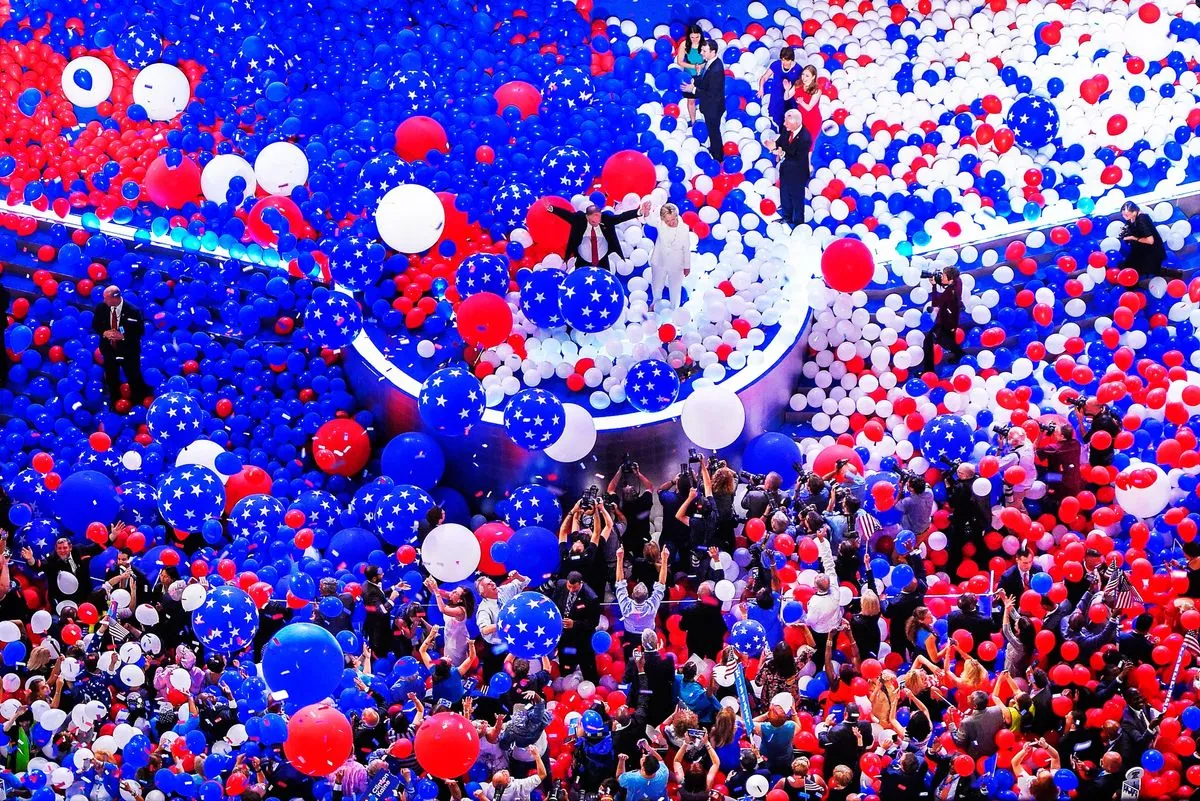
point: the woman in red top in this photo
(808, 101)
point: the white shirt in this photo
(118, 309)
(488, 612)
(585, 247)
(1023, 456)
(673, 248)
(825, 611)
(517, 789)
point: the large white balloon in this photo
(410, 218)
(193, 597)
(280, 168)
(202, 452)
(214, 181)
(450, 552)
(713, 417)
(1144, 502)
(87, 81)
(578, 436)
(163, 91)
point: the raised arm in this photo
(663, 564)
(681, 513)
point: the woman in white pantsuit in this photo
(671, 259)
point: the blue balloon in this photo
(946, 438)
(413, 458)
(482, 272)
(530, 625)
(1191, 717)
(651, 385)
(451, 401)
(902, 576)
(19, 337)
(509, 206)
(540, 297)
(351, 546)
(332, 319)
(534, 419)
(567, 90)
(189, 495)
(356, 262)
(535, 550)
(255, 514)
(175, 419)
(591, 299)
(601, 642)
(84, 498)
(773, 451)
(227, 620)
(1152, 760)
(1033, 120)
(303, 660)
(400, 513)
(1041, 583)
(499, 684)
(748, 637)
(566, 170)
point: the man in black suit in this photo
(593, 236)
(4, 301)
(1016, 579)
(120, 326)
(846, 742)
(656, 680)
(967, 617)
(792, 148)
(709, 87)
(580, 610)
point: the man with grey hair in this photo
(639, 607)
(792, 148)
(487, 617)
(824, 612)
(593, 236)
(120, 326)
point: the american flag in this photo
(1122, 589)
(866, 525)
(1191, 643)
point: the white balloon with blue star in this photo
(534, 418)
(332, 319)
(451, 401)
(189, 495)
(945, 439)
(227, 620)
(175, 418)
(539, 297)
(530, 625)
(400, 512)
(482, 272)
(651, 385)
(255, 515)
(567, 89)
(1033, 120)
(566, 170)
(356, 263)
(591, 299)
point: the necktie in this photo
(113, 317)
(595, 248)
(570, 602)
(1025, 580)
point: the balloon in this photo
(172, 187)
(540, 297)
(713, 417)
(163, 91)
(530, 625)
(220, 171)
(534, 418)
(303, 660)
(748, 637)
(1033, 121)
(772, 451)
(410, 218)
(341, 447)
(450, 552)
(280, 168)
(519, 95)
(87, 81)
(446, 745)
(84, 498)
(847, 265)
(227, 620)
(488, 535)
(175, 418)
(484, 320)
(190, 495)
(332, 319)
(535, 549)
(319, 740)
(946, 439)
(1146, 501)
(651, 385)
(351, 546)
(577, 438)
(202, 453)
(418, 136)
(413, 458)
(451, 401)
(591, 299)
(628, 172)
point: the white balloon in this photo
(578, 436)
(280, 168)
(129, 652)
(121, 598)
(713, 417)
(757, 784)
(52, 719)
(91, 72)
(132, 676)
(410, 218)
(235, 737)
(105, 744)
(214, 180)
(41, 621)
(1145, 502)
(450, 552)
(9, 631)
(180, 679)
(67, 583)
(725, 590)
(193, 597)
(146, 614)
(162, 90)
(204, 453)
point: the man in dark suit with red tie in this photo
(792, 149)
(120, 326)
(709, 87)
(593, 236)
(1015, 580)
(580, 609)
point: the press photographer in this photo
(915, 502)
(1097, 418)
(1060, 453)
(970, 514)
(946, 304)
(764, 494)
(635, 497)
(844, 478)
(1015, 450)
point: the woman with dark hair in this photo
(695, 780)
(807, 100)
(1147, 252)
(457, 607)
(920, 632)
(778, 673)
(688, 59)
(782, 75)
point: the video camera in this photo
(906, 476)
(628, 465)
(590, 496)
(1048, 428)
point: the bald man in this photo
(120, 326)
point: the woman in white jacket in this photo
(1020, 454)
(671, 259)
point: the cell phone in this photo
(695, 734)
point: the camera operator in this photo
(1060, 452)
(970, 515)
(916, 504)
(947, 306)
(699, 514)
(1147, 252)
(582, 536)
(810, 489)
(849, 482)
(1017, 451)
(671, 494)
(1095, 417)
(764, 496)
(635, 496)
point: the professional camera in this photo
(1078, 402)
(1048, 428)
(936, 275)
(1002, 430)
(628, 466)
(753, 479)
(906, 476)
(693, 456)
(590, 496)
(611, 500)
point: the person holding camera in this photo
(635, 498)
(1061, 453)
(764, 496)
(970, 514)
(1147, 251)
(848, 481)
(1017, 451)
(947, 304)
(1096, 417)
(916, 504)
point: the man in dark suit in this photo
(4, 301)
(580, 610)
(967, 617)
(593, 236)
(792, 148)
(120, 326)
(846, 742)
(1016, 579)
(656, 680)
(709, 87)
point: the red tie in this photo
(114, 318)
(595, 248)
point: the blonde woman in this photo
(671, 259)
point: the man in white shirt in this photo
(503, 787)
(487, 617)
(593, 237)
(825, 606)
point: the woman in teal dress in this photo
(781, 75)
(688, 59)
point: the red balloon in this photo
(547, 230)
(488, 535)
(319, 740)
(447, 745)
(416, 136)
(172, 187)
(100, 441)
(250, 481)
(628, 172)
(484, 320)
(520, 95)
(847, 265)
(828, 458)
(262, 233)
(71, 634)
(341, 447)
(755, 528)
(89, 614)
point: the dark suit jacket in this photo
(710, 89)
(131, 322)
(1011, 582)
(579, 226)
(795, 146)
(657, 684)
(5, 299)
(585, 612)
(705, 627)
(981, 627)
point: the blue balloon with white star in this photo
(1033, 120)
(356, 263)
(748, 638)
(255, 514)
(363, 505)
(414, 90)
(400, 512)
(380, 175)
(530, 625)
(567, 89)
(29, 486)
(482, 272)
(321, 509)
(39, 536)
(946, 438)
(566, 170)
(139, 46)
(591, 300)
(139, 504)
(189, 495)
(332, 319)
(539, 297)
(510, 204)
(175, 418)
(651, 385)
(530, 505)
(227, 620)
(451, 401)
(534, 418)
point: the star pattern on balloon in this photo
(40, 535)
(534, 418)
(255, 515)
(363, 505)
(413, 90)
(510, 204)
(482, 272)
(748, 637)
(651, 385)
(189, 495)
(140, 505)
(332, 319)
(355, 262)
(227, 620)
(946, 438)
(592, 299)
(400, 512)
(567, 89)
(566, 170)
(1034, 121)
(379, 175)
(540, 296)
(139, 47)
(531, 625)
(321, 510)
(175, 418)
(451, 401)
(530, 505)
